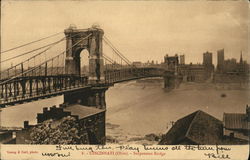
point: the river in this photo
(138, 108)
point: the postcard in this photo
(125, 79)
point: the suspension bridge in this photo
(38, 77)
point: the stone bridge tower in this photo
(78, 40)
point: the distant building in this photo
(237, 125)
(182, 59)
(193, 72)
(207, 59)
(190, 72)
(241, 59)
(230, 65)
(243, 67)
(220, 60)
(112, 66)
(137, 64)
(85, 70)
(208, 64)
(231, 71)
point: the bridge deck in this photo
(26, 89)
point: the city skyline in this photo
(214, 57)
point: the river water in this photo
(139, 108)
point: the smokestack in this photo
(26, 124)
(45, 109)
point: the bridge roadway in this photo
(32, 88)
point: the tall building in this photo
(220, 60)
(207, 59)
(182, 59)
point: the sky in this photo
(142, 30)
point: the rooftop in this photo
(82, 111)
(197, 128)
(235, 121)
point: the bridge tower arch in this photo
(78, 40)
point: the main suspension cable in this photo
(23, 45)
(108, 42)
(48, 45)
(36, 54)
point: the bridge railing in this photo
(124, 74)
(34, 87)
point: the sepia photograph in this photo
(148, 73)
